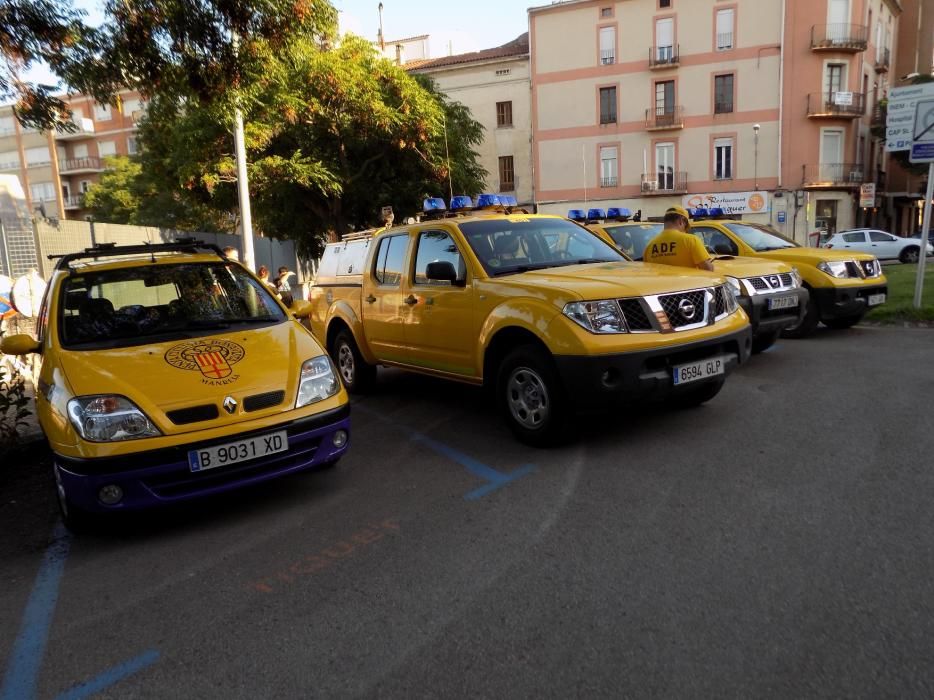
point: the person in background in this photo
(232, 253)
(263, 274)
(675, 245)
(282, 285)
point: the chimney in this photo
(400, 54)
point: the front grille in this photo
(677, 305)
(786, 279)
(720, 301)
(770, 282)
(636, 317)
(193, 414)
(257, 402)
(759, 284)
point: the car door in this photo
(884, 245)
(384, 308)
(442, 325)
(853, 240)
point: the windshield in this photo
(759, 239)
(137, 305)
(633, 238)
(508, 246)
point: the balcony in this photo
(607, 57)
(84, 129)
(664, 183)
(73, 202)
(664, 118)
(883, 57)
(834, 175)
(879, 115)
(664, 57)
(836, 105)
(75, 166)
(609, 182)
(849, 38)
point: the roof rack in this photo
(106, 250)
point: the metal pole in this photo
(925, 233)
(243, 189)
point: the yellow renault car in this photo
(170, 372)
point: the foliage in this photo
(13, 407)
(899, 307)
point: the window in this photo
(130, 106)
(723, 159)
(437, 246)
(608, 105)
(80, 151)
(665, 165)
(665, 40)
(723, 94)
(713, 239)
(85, 186)
(107, 148)
(725, 29)
(38, 156)
(664, 98)
(102, 113)
(857, 237)
(131, 145)
(664, 3)
(390, 259)
(880, 237)
(507, 174)
(606, 12)
(607, 45)
(7, 126)
(609, 166)
(9, 160)
(504, 113)
(42, 192)
(835, 80)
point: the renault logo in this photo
(230, 404)
(686, 308)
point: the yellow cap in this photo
(680, 211)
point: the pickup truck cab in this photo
(537, 308)
(770, 292)
(843, 285)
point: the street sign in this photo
(781, 217)
(867, 195)
(900, 114)
(922, 133)
(843, 99)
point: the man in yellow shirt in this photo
(676, 246)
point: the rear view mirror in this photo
(441, 272)
(21, 344)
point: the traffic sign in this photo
(900, 114)
(922, 133)
(781, 217)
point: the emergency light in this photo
(716, 213)
(432, 204)
(507, 200)
(461, 202)
(577, 215)
(618, 213)
(596, 214)
(488, 200)
(698, 213)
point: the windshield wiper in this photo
(227, 322)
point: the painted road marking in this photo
(111, 676)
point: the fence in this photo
(18, 252)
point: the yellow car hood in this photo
(616, 279)
(748, 267)
(181, 374)
(813, 256)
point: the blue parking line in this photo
(773, 347)
(22, 674)
(111, 676)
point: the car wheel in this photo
(843, 322)
(909, 254)
(695, 397)
(807, 324)
(75, 519)
(357, 374)
(531, 397)
(763, 341)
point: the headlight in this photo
(735, 286)
(317, 381)
(109, 419)
(834, 269)
(796, 277)
(597, 316)
(729, 296)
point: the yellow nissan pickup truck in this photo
(535, 307)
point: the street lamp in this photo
(755, 131)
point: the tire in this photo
(531, 397)
(357, 374)
(695, 397)
(909, 254)
(806, 325)
(763, 341)
(75, 519)
(843, 322)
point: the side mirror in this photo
(441, 272)
(301, 308)
(19, 345)
(722, 249)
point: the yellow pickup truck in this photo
(541, 310)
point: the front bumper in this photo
(840, 302)
(158, 477)
(601, 381)
(764, 320)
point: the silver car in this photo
(882, 244)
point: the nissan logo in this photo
(686, 308)
(230, 404)
(774, 281)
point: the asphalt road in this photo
(774, 543)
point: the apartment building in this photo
(495, 85)
(758, 106)
(56, 170)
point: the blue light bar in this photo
(577, 215)
(488, 200)
(716, 212)
(618, 213)
(596, 214)
(461, 202)
(434, 204)
(698, 212)
(507, 200)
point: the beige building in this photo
(494, 84)
(56, 170)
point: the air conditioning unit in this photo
(649, 185)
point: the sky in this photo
(453, 27)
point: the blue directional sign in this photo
(781, 217)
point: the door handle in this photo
(370, 299)
(411, 300)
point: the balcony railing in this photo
(883, 57)
(664, 56)
(607, 57)
(75, 201)
(835, 175)
(839, 37)
(846, 105)
(879, 115)
(664, 183)
(609, 181)
(724, 41)
(662, 118)
(78, 165)
(83, 127)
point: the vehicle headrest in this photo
(506, 244)
(75, 298)
(97, 307)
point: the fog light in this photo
(110, 495)
(340, 438)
